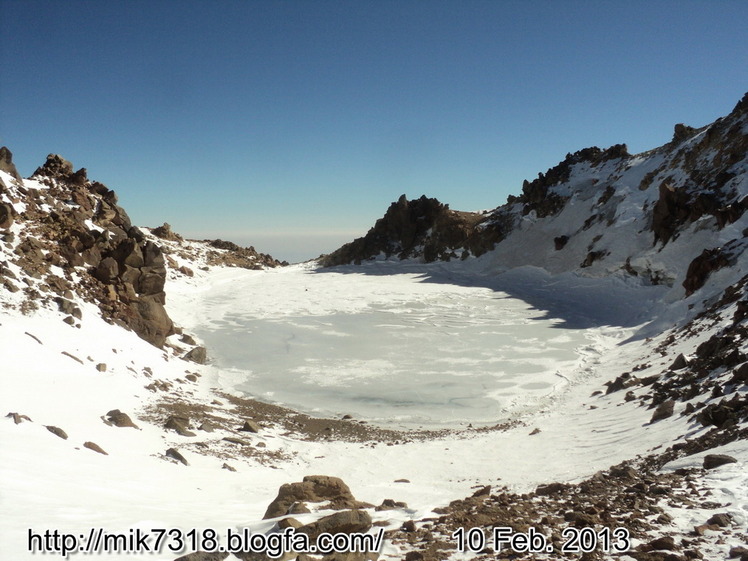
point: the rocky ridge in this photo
(690, 192)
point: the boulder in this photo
(107, 270)
(150, 321)
(314, 488)
(679, 363)
(712, 461)
(198, 355)
(55, 167)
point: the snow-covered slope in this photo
(122, 418)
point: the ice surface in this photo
(432, 354)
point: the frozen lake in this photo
(398, 348)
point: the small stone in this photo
(663, 411)
(101, 367)
(95, 447)
(120, 419)
(174, 453)
(228, 467)
(250, 426)
(57, 431)
(198, 355)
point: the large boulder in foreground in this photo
(315, 489)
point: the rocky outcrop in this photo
(6, 163)
(6, 216)
(707, 157)
(700, 268)
(80, 225)
(537, 196)
(314, 489)
(422, 228)
(166, 233)
(233, 255)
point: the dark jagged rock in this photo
(6, 163)
(536, 195)
(119, 419)
(682, 132)
(700, 268)
(560, 242)
(55, 167)
(166, 233)
(423, 228)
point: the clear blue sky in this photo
(292, 125)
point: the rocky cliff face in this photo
(73, 239)
(671, 216)
(420, 228)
